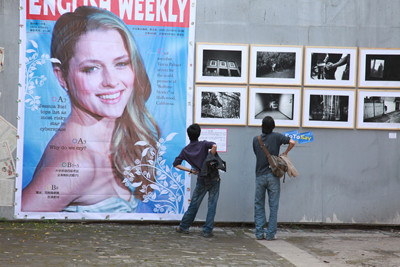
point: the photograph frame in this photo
(254, 76)
(222, 63)
(259, 93)
(318, 73)
(218, 94)
(365, 74)
(334, 109)
(380, 121)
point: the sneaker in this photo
(208, 235)
(181, 231)
(273, 238)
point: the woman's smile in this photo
(111, 98)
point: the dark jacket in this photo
(211, 166)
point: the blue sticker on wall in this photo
(301, 138)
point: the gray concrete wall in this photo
(9, 37)
(346, 176)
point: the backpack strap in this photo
(271, 162)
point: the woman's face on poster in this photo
(100, 73)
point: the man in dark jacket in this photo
(266, 181)
(195, 154)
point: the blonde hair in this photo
(136, 123)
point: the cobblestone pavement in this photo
(116, 244)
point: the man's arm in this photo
(214, 149)
(183, 168)
(341, 62)
(291, 145)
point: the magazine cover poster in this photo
(103, 109)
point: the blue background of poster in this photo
(157, 45)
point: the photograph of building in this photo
(222, 63)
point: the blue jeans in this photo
(271, 184)
(197, 197)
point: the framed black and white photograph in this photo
(220, 105)
(378, 109)
(379, 68)
(276, 65)
(329, 108)
(221, 63)
(282, 104)
(330, 66)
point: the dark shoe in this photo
(260, 237)
(208, 235)
(179, 230)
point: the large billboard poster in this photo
(105, 92)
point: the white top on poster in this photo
(218, 136)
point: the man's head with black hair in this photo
(268, 124)
(194, 131)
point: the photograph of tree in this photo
(223, 105)
(275, 65)
(329, 107)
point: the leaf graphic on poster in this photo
(163, 192)
(162, 177)
(136, 184)
(55, 60)
(174, 186)
(144, 152)
(170, 136)
(155, 187)
(141, 143)
(167, 180)
(30, 51)
(34, 44)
